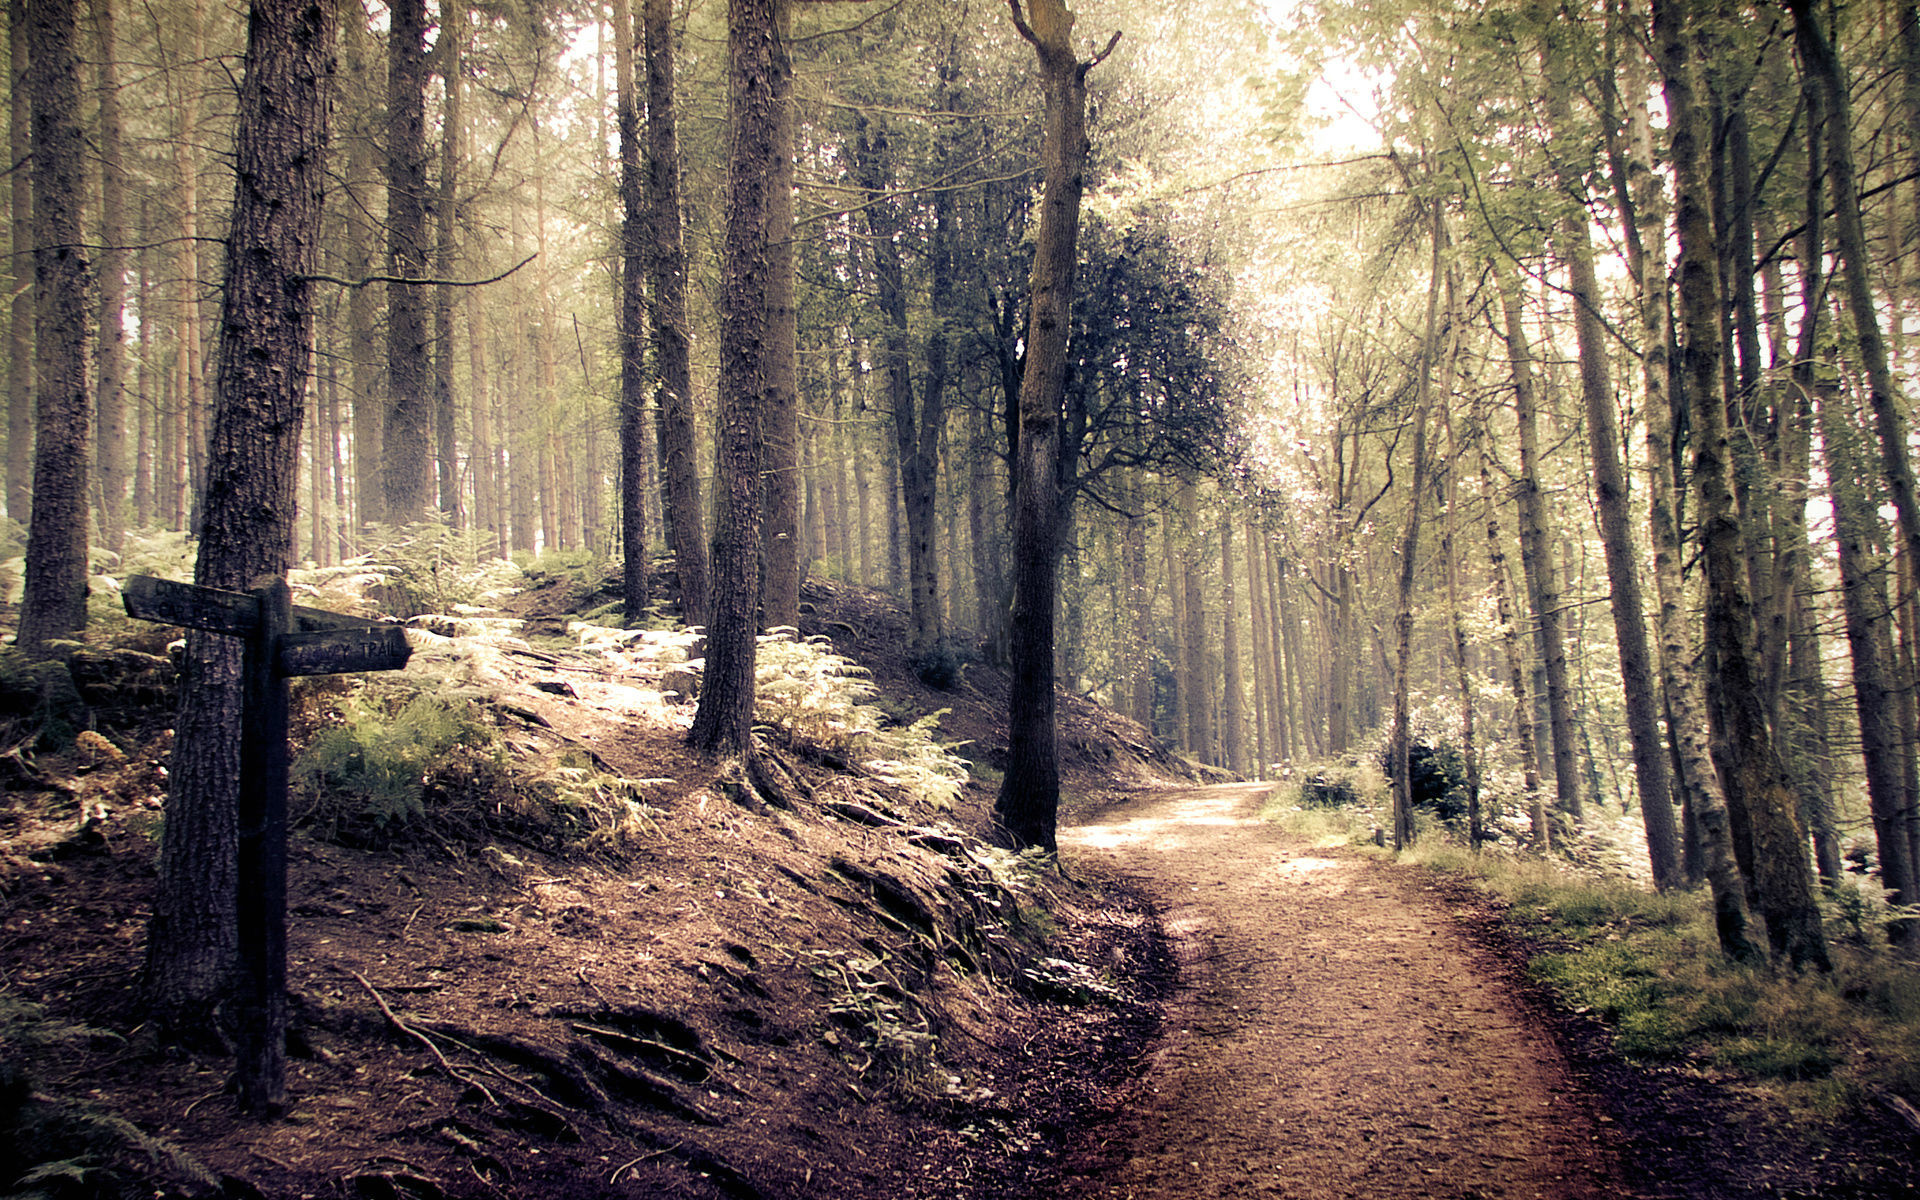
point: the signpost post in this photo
(281, 641)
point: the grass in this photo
(1648, 964)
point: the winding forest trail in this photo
(1334, 1035)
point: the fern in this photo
(807, 692)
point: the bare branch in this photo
(373, 279)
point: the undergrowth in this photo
(404, 765)
(1648, 964)
(807, 692)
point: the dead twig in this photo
(634, 1162)
(422, 1038)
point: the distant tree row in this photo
(1563, 425)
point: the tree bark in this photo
(406, 443)
(446, 455)
(1400, 747)
(1752, 768)
(780, 422)
(53, 602)
(667, 319)
(1536, 558)
(633, 317)
(110, 404)
(20, 312)
(1685, 703)
(1641, 700)
(723, 723)
(1822, 65)
(1233, 715)
(265, 348)
(1028, 805)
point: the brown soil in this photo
(1333, 1034)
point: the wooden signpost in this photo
(281, 641)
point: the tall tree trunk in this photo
(1139, 664)
(185, 472)
(1536, 558)
(364, 211)
(1822, 66)
(723, 723)
(1028, 805)
(916, 420)
(780, 422)
(633, 316)
(446, 458)
(1400, 746)
(406, 464)
(1753, 770)
(1260, 630)
(667, 319)
(1233, 716)
(1641, 699)
(265, 349)
(110, 404)
(1196, 685)
(53, 601)
(981, 488)
(1512, 644)
(20, 312)
(144, 424)
(1181, 734)
(1685, 703)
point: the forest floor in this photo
(854, 999)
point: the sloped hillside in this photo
(580, 961)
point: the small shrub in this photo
(1325, 791)
(366, 780)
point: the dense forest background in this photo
(1508, 392)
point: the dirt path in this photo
(1333, 1035)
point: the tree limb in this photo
(373, 279)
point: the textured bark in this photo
(1399, 747)
(633, 318)
(1863, 570)
(446, 255)
(1259, 626)
(364, 208)
(144, 424)
(112, 468)
(780, 422)
(1028, 805)
(1233, 713)
(1822, 67)
(1197, 681)
(667, 322)
(266, 340)
(1641, 699)
(917, 418)
(406, 469)
(20, 313)
(723, 723)
(1516, 659)
(1685, 704)
(185, 467)
(1536, 558)
(53, 602)
(1750, 765)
